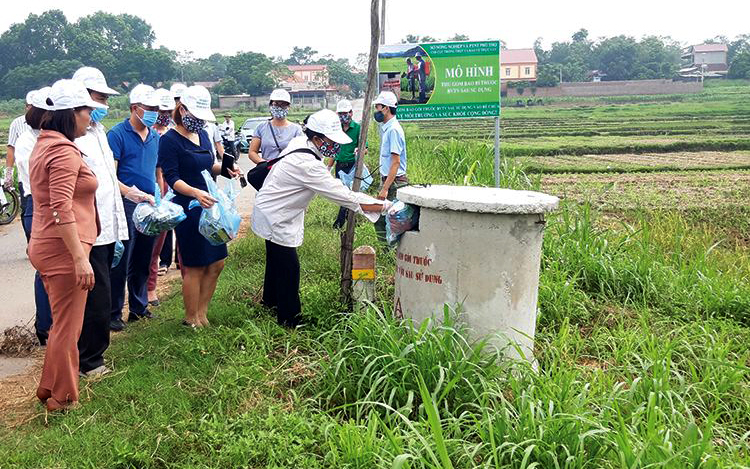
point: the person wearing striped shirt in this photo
(17, 127)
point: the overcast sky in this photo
(341, 27)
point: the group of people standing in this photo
(81, 185)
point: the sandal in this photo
(162, 270)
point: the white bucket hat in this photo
(197, 100)
(70, 94)
(177, 89)
(39, 100)
(281, 95)
(344, 106)
(30, 96)
(143, 94)
(166, 99)
(386, 98)
(93, 79)
(328, 123)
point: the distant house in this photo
(306, 77)
(518, 65)
(596, 75)
(705, 60)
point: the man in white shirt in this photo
(98, 156)
(214, 134)
(17, 127)
(227, 133)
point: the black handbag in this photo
(258, 174)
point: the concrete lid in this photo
(478, 199)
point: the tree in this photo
(300, 56)
(414, 39)
(226, 86)
(458, 38)
(617, 57)
(252, 72)
(547, 75)
(29, 77)
(39, 38)
(581, 36)
(740, 67)
(340, 73)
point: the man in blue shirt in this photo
(135, 146)
(392, 152)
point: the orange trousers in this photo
(59, 382)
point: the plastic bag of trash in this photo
(348, 178)
(399, 219)
(220, 223)
(119, 250)
(152, 220)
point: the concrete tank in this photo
(479, 248)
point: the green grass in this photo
(642, 343)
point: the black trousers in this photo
(281, 283)
(94, 338)
(165, 257)
(341, 218)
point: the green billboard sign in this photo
(451, 80)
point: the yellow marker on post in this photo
(363, 274)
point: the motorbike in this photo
(10, 205)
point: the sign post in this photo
(452, 80)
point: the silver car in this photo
(246, 132)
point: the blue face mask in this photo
(98, 114)
(149, 118)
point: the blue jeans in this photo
(43, 321)
(132, 270)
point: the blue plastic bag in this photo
(152, 220)
(220, 223)
(119, 250)
(399, 219)
(348, 178)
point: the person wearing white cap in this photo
(392, 152)
(65, 227)
(184, 152)
(270, 138)
(24, 147)
(167, 104)
(98, 156)
(164, 122)
(17, 127)
(280, 205)
(347, 157)
(177, 89)
(135, 147)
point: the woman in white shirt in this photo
(279, 213)
(23, 148)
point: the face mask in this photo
(345, 118)
(149, 118)
(193, 124)
(98, 114)
(379, 116)
(329, 150)
(279, 112)
(164, 119)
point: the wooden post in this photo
(347, 236)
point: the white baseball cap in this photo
(197, 100)
(328, 123)
(143, 94)
(30, 96)
(386, 98)
(93, 79)
(70, 94)
(281, 95)
(166, 99)
(39, 100)
(177, 89)
(344, 106)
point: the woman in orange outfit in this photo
(64, 227)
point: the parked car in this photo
(245, 133)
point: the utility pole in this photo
(347, 236)
(382, 21)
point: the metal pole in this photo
(497, 151)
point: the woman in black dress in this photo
(184, 152)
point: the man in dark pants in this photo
(392, 153)
(422, 72)
(135, 147)
(94, 146)
(347, 156)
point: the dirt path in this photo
(19, 376)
